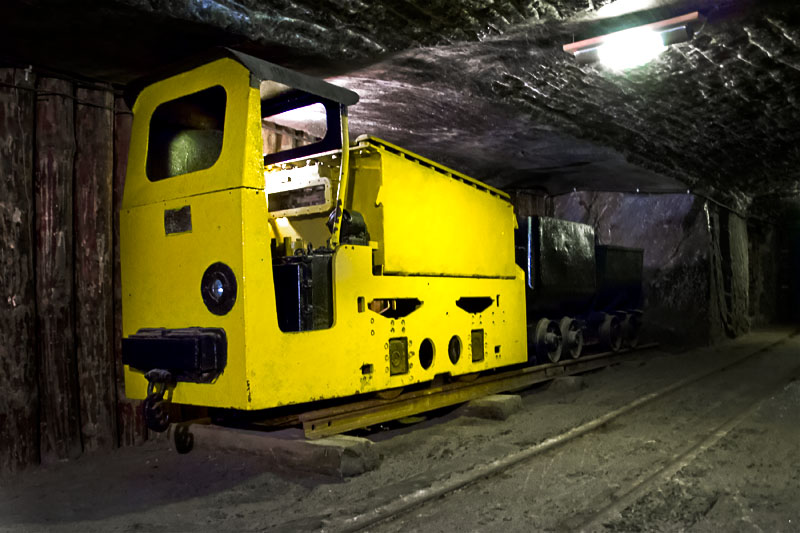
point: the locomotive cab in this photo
(267, 261)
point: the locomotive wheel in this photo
(547, 340)
(184, 439)
(631, 328)
(611, 332)
(571, 337)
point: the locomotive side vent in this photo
(474, 304)
(394, 307)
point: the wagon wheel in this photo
(547, 340)
(611, 332)
(571, 336)
(631, 328)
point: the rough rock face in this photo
(765, 265)
(705, 277)
(673, 231)
(342, 29)
(697, 114)
(485, 86)
(729, 274)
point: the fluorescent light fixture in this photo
(635, 46)
(630, 48)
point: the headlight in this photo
(218, 288)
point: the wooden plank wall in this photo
(94, 307)
(531, 203)
(63, 151)
(19, 407)
(130, 424)
(58, 384)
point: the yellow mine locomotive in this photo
(268, 261)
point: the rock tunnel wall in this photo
(767, 259)
(673, 231)
(708, 273)
(729, 274)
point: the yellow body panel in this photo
(454, 236)
(427, 222)
(161, 283)
(239, 164)
(267, 367)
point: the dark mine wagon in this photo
(597, 289)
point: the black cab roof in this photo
(260, 70)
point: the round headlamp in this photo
(218, 288)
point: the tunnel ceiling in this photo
(484, 86)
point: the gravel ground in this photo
(746, 481)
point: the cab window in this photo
(297, 127)
(296, 124)
(186, 134)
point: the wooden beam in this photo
(94, 311)
(19, 418)
(131, 427)
(58, 385)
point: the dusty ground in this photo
(747, 480)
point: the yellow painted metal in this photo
(267, 367)
(341, 191)
(355, 415)
(161, 284)
(426, 221)
(239, 164)
(458, 232)
(364, 140)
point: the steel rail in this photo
(439, 488)
(360, 414)
(639, 488)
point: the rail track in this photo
(359, 414)
(741, 398)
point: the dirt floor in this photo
(722, 454)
